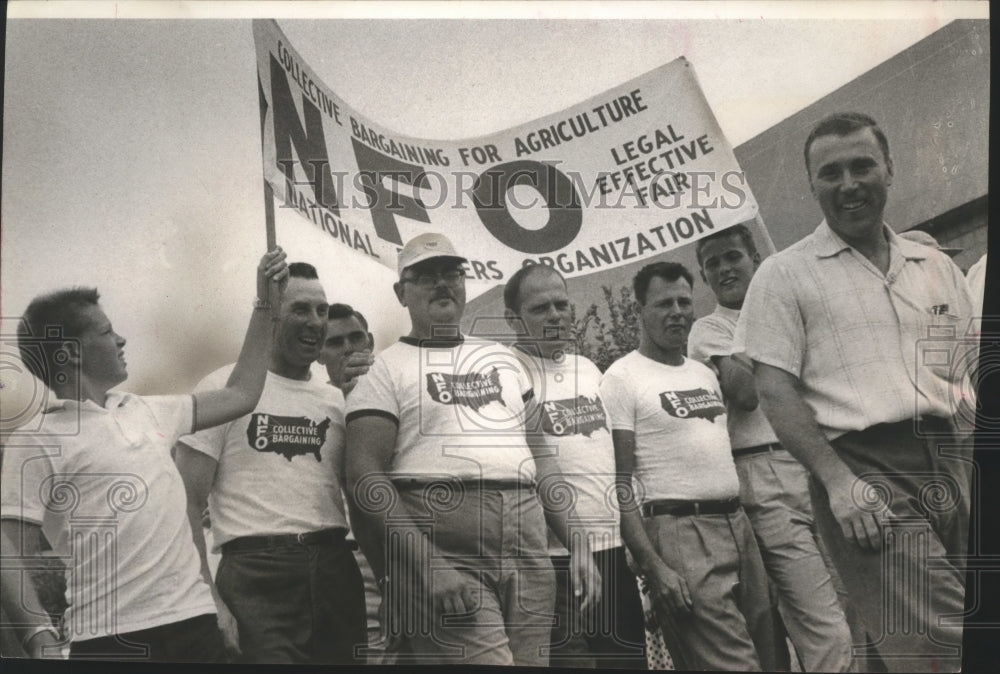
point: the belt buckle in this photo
(300, 538)
(697, 507)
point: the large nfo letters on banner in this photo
(628, 174)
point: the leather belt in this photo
(758, 449)
(332, 536)
(411, 483)
(679, 508)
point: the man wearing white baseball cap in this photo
(447, 490)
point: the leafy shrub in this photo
(605, 341)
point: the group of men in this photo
(790, 464)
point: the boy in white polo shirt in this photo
(98, 480)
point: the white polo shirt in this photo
(102, 484)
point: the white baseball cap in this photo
(425, 247)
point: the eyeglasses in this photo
(429, 280)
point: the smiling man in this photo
(272, 479)
(684, 526)
(834, 325)
(773, 485)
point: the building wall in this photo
(932, 101)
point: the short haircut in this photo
(843, 124)
(668, 271)
(302, 270)
(61, 309)
(740, 230)
(512, 291)
(339, 310)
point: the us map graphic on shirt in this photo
(473, 390)
(573, 416)
(288, 436)
(695, 403)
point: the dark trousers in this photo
(296, 603)
(909, 595)
(608, 636)
(193, 640)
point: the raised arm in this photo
(795, 425)
(246, 382)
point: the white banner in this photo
(631, 173)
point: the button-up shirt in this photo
(868, 347)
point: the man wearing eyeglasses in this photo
(450, 499)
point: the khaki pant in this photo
(496, 539)
(774, 491)
(731, 620)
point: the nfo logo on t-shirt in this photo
(288, 436)
(473, 390)
(695, 403)
(574, 416)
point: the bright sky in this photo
(131, 148)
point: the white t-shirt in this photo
(458, 406)
(102, 484)
(676, 412)
(710, 336)
(280, 466)
(575, 425)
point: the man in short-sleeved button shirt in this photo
(853, 334)
(773, 484)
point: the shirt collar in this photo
(726, 312)
(115, 399)
(829, 244)
(434, 342)
(911, 250)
